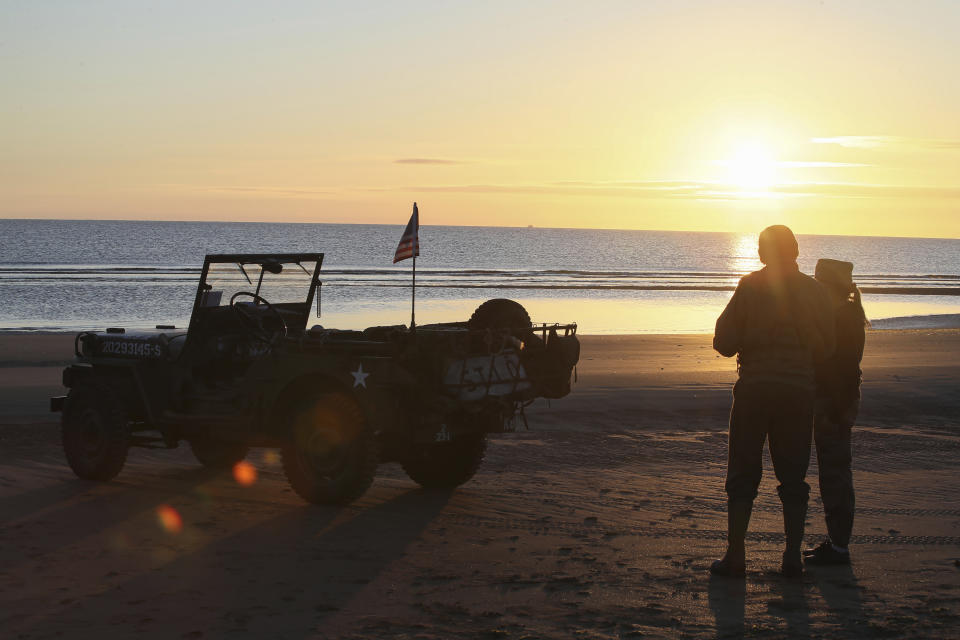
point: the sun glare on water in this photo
(751, 167)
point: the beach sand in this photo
(600, 522)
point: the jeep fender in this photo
(375, 383)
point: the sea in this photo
(72, 275)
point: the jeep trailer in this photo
(247, 372)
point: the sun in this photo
(751, 167)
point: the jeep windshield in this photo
(285, 282)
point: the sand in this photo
(598, 523)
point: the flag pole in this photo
(413, 297)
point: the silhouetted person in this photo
(838, 400)
(778, 323)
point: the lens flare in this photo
(244, 473)
(169, 519)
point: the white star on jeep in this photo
(359, 377)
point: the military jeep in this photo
(247, 372)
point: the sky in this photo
(834, 117)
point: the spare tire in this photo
(501, 313)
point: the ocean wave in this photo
(932, 321)
(443, 278)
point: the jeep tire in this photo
(445, 464)
(94, 431)
(330, 456)
(217, 454)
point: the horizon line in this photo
(475, 226)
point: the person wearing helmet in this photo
(779, 324)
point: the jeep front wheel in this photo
(445, 464)
(95, 432)
(330, 456)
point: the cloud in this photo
(273, 191)
(856, 190)
(856, 142)
(633, 189)
(903, 142)
(655, 185)
(639, 189)
(804, 164)
(694, 190)
(427, 161)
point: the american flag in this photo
(410, 240)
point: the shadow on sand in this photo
(79, 508)
(292, 571)
(789, 601)
(727, 600)
(842, 594)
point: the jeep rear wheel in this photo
(215, 454)
(94, 431)
(445, 464)
(330, 456)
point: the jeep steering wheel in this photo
(252, 321)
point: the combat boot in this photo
(794, 515)
(734, 563)
(827, 553)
